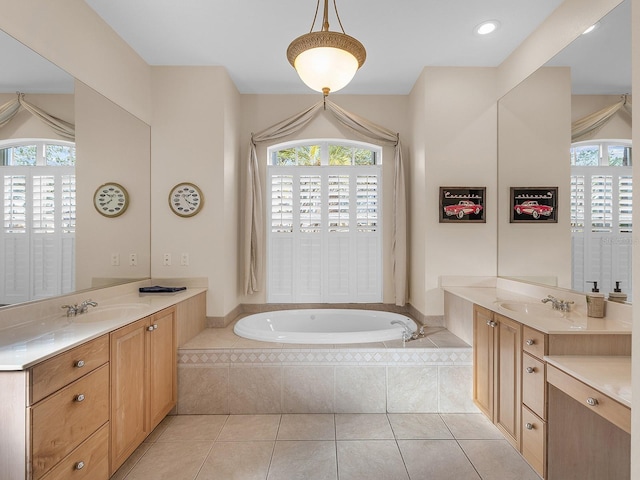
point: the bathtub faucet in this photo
(408, 334)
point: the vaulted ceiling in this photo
(250, 38)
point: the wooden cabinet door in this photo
(162, 365)
(508, 360)
(483, 359)
(129, 389)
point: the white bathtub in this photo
(323, 326)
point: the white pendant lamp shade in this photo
(326, 68)
(326, 61)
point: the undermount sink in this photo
(110, 312)
(538, 310)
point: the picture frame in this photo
(462, 204)
(534, 205)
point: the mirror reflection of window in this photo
(39, 219)
(601, 214)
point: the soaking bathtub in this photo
(323, 326)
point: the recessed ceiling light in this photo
(488, 27)
(591, 28)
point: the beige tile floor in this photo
(326, 447)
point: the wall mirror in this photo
(534, 144)
(111, 145)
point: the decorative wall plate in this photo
(111, 199)
(186, 199)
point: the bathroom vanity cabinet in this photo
(78, 415)
(589, 432)
(496, 366)
(143, 381)
(511, 387)
(57, 415)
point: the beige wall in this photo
(262, 111)
(111, 146)
(558, 30)
(619, 127)
(25, 125)
(195, 139)
(534, 136)
(71, 35)
(453, 144)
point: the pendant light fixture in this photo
(326, 61)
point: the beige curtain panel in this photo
(11, 108)
(584, 126)
(254, 224)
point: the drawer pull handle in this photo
(150, 328)
(530, 370)
(530, 342)
(79, 465)
(529, 426)
(79, 364)
(155, 326)
(592, 401)
(79, 398)
(491, 323)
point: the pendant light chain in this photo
(335, 7)
(315, 16)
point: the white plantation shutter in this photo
(329, 248)
(601, 210)
(37, 242)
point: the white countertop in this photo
(574, 322)
(607, 374)
(25, 344)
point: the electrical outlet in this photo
(166, 259)
(133, 259)
(184, 259)
(115, 259)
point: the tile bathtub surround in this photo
(326, 446)
(221, 373)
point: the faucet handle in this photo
(84, 306)
(72, 310)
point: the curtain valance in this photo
(11, 108)
(585, 125)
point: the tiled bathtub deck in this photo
(221, 373)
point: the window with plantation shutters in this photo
(324, 242)
(37, 241)
(601, 215)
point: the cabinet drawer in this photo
(534, 435)
(596, 401)
(55, 373)
(534, 384)
(90, 461)
(534, 342)
(65, 419)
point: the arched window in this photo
(324, 242)
(601, 214)
(37, 242)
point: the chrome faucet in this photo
(84, 306)
(558, 304)
(409, 334)
(72, 310)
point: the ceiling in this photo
(250, 38)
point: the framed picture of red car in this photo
(534, 204)
(462, 204)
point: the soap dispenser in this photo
(595, 302)
(617, 295)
